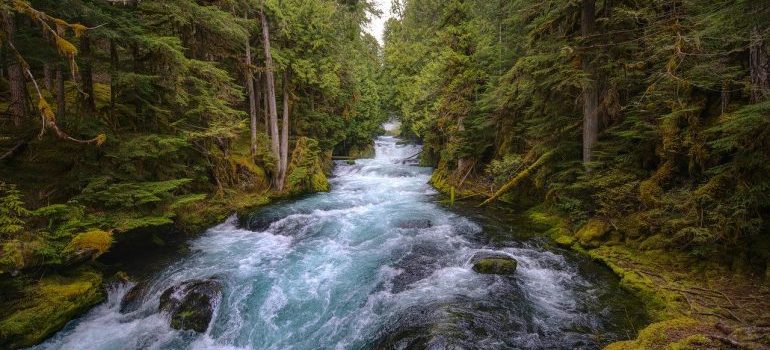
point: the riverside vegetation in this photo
(123, 117)
(636, 132)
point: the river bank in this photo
(39, 301)
(694, 304)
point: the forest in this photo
(633, 133)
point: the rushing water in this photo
(375, 263)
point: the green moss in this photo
(306, 170)
(591, 234)
(675, 334)
(366, 151)
(661, 304)
(553, 225)
(565, 241)
(47, 306)
(198, 216)
(96, 241)
(497, 266)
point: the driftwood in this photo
(519, 178)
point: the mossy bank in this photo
(693, 303)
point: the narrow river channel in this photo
(377, 263)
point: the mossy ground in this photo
(695, 304)
(45, 306)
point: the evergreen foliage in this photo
(152, 96)
(492, 86)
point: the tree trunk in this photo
(60, 97)
(255, 83)
(590, 92)
(284, 164)
(113, 72)
(270, 88)
(86, 74)
(249, 81)
(758, 66)
(137, 67)
(18, 107)
(47, 77)
(265, 109)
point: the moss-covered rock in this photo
(47, 306)
(554, 226)
(676, 334)
(494, 263)
(88, 245)
(591, 234)
(191, 304)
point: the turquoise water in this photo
(375, 263)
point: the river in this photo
(375, 263)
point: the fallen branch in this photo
(519, 178)
(16, 149)
(729, 341)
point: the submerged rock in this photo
(414, 223)
(131, 300)
(191, 304)
(494, 263)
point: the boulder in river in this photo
(191, 304)
(494, 263)
(133, 297)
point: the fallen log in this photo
(519, 178)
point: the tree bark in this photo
(265, 109)
(590, 92)
(61, 108)
(284, 164)
(113, 72)
(86, 74)
(249, 77)
(47, 77)
(18, 107)
(758, 67)
(270, 88)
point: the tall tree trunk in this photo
(249, 77)
(255, 82)
(284, 132)
(18, 107)
(61, 108)
(265, 108)
(270, 87)
(113, 72)
(86, 74)
(591, 91)
(47, 77)
(758, 67)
